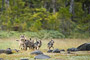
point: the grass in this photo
(59, 43)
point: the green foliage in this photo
(49, 34)
(78, 35)
(84, 24)
(42, 34)
(4, 34)
(66, 24)
(35, 16)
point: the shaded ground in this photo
(59, 43)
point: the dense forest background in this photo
(67, 18)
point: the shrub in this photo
(42, 34)
(45, 34)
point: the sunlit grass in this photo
(59, 43)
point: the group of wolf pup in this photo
(24, 43)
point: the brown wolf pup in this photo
(22, 44)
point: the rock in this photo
(1, 59)
(49, 51)
(62, 50)
(37, 52)
(42, 56)
(2, 51)
(8, 51)
(72, 49)
(84, 47)
(56, 51)
(24, 59)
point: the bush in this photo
(45, 34)
(42, 34)
(5, 34)
(76, 35)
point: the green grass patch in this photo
(59, 43)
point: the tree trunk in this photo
(66, 3)
(84, 8)
(14, 2)
(2, 5)
(7, 3)
(72, 8)
(54, 6)
(89, 9)
(45, 5)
